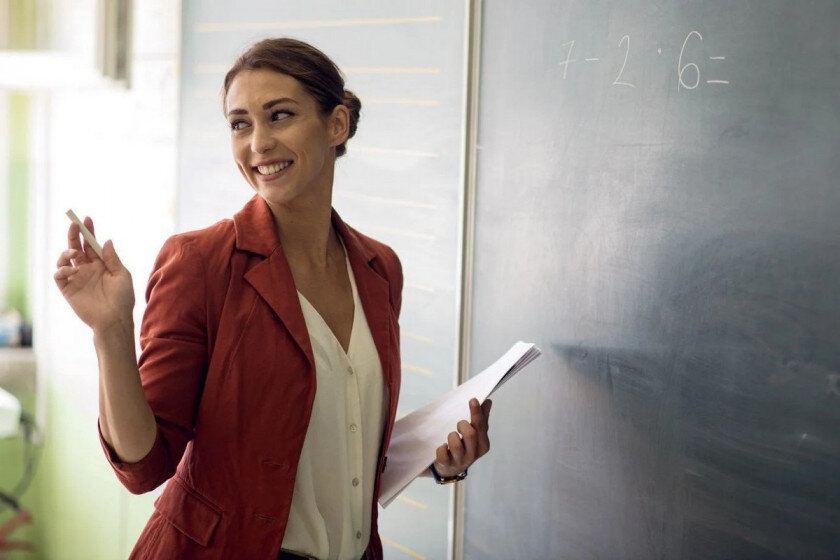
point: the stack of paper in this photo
(416, 436)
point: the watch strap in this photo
(447, 479)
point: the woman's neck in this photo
(306, 232)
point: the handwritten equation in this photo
(689, 74)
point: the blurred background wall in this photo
(71, 138)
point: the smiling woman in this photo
(282, 145)
(268, 383)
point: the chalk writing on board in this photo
(682, 69)
(565, 63)
(617, 81)
(688, 77)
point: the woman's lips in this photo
(272, 170)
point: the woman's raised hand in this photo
(99, 290)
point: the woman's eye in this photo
(280, 115)
(237, 125)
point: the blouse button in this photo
(358, 534)
(353, 428)
(355, 482)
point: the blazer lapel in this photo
(373, 291)
(271, 278)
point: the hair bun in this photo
(354, 105)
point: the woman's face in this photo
(282, 144)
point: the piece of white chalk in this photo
(86, 233)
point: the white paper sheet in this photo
(417, 435)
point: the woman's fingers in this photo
(479, 416)
(464, 447)
(89, 251)
(64, 273)
(73, 237)
(442, 456)
(74, 243)
(456, 447)
(110, 258)
(75, 240)
(469, 439)
(66, 258)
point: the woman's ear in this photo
(339, 125)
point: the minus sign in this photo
(717, 81)
(591, 59)
(717, 58)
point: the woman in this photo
(269, 375)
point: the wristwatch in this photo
(446, 479)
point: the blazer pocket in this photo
(188, 512)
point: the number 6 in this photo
(681, 69)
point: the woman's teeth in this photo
(273, 168)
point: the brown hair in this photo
(313, 69)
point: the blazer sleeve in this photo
(173, 362)
(395, 279)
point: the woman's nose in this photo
(262, 141)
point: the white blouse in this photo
(333, 495)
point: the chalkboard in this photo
(657, 208)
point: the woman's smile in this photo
(272, 170)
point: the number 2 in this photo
(620, 72)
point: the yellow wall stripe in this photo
(402, 548)
(308, 24)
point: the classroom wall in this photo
(18, 32)
(108, 152)
(16, 295)
(4, 193)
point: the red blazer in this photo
(228, 371)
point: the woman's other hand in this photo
(467, 444)
(99, 290)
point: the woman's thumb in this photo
(109, 256)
